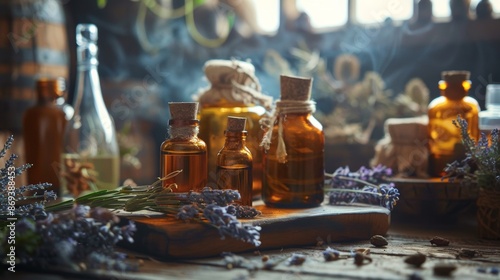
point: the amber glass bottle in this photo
(294, 161)
(445, 141)
(183, 150)
(234, 161)
(43, 130)
(234, 91)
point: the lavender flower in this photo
(243, 211)
(363, 186)
(188, 212)
(296, 259)
(481, 165)
(331, 254)
(17, 194)
(209, 196)
(229, 225)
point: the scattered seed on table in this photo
(378, 241)
(439, 241)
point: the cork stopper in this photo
(295, 88)
(183, 110)
(455, 76)
(51, 88)
(236, 124)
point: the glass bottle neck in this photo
(235, 140)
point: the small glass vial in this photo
(234, 161)
(445, 141)
(490, 118)
(294, 149)
(183, 150)
(234, 91)
(43, 130)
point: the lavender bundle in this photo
(368, 186)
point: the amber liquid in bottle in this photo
(298, 182)
(43, 130)
(234, 166)
(193, 177)
(212, 127)
(188, 154)
(445, 140)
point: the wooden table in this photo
(405, 239)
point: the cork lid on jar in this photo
(295, 88)
(455, 84)
(236, 124)
(183, 111)
(50, 88)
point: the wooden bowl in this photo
(433, 199)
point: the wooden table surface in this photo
(405, 238)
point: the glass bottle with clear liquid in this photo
(445, 140)
(91, 159)
(294, 160)
(234, 161)
(183, 150)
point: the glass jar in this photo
(294, 143)
(234, 91)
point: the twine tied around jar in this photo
(183, 132)
(283, 107)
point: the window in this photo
(376, 11)
(268, 15)
(441, 8)
(325, 13)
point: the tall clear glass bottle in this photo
(183, 150)
(234, 91)
(445, 141)
(90, 157)
(234, 161)
(294, 160)
(43, 131)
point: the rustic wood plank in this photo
(168, 238)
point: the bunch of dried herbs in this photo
(481, 165)
(367, 186)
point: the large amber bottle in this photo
(43, 130)
(445, 141)
(234, 161)
(234, 91)
(294, 143)
(183, 150)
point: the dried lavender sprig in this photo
(364, 186)
(228, 225)
(9, 195)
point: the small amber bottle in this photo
(445, 141)
(234, 161)
(43, 130)
(234, 91)
(294, 144)
(183, 150)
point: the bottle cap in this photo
(183, 110)
(236, 124)
(295, 88)
(492, 95)
(455, 76)
(50, 87)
